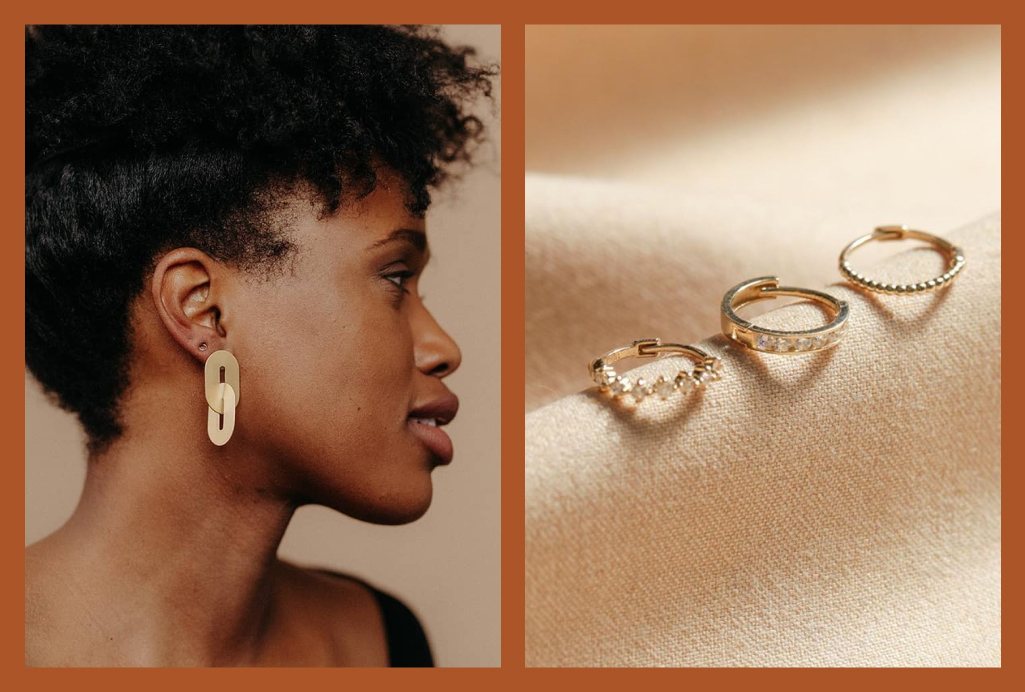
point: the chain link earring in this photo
(222, 395)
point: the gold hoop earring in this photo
(706, 368)
(221, 395)
(773, 340)
(952, 253)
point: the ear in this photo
(188, 290)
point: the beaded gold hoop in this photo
(954, 254)
(707, 368)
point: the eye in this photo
(399, 278)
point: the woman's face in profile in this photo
(341, 364)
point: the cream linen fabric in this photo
(839, 509)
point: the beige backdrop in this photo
(446, 565)
(839, 509)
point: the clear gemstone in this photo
(803, 344)
(717, 365)
(764, 342)
(640, 390)
(782, 344)
(620, 386)
(664, 388)
(684, 382)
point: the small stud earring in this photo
(202, 346)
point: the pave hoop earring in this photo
(954, 255)
(774, 340)
(707, 368)
(222, 395)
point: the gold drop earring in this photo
(222, 394)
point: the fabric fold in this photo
(833, 509)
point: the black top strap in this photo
(407, 643)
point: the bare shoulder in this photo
(44, 587)
(343, 607)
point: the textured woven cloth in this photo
(689, 158)
(839, 509)
(835, 509)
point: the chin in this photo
(393, 506)
(394, 516)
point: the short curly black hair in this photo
(140, 139)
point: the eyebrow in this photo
(413, 236)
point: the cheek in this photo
(337, 400)
(359, 456)
(367, 362)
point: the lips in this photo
(425, 423)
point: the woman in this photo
(195, 192)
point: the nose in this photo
(436, 353)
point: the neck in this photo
(173, 548)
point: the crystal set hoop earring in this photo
(773, 340)
(706, 369)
